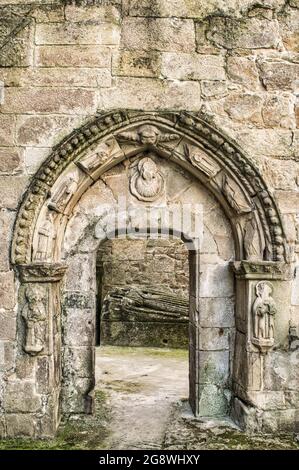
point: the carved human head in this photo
(264, 289)
(148, 134)
(34, 294)
(147, 168)
(103, 151)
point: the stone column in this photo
(262, 322)
(39, 351)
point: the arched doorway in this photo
(46, 247)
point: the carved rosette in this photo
(144, 131)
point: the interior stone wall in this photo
(234, 62)
(126, 266)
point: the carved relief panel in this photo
(146, 180)
(34, 314)
(263, 314)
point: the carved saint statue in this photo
(252, 245)
(45, 240)
(64, 194)
(147, 182)
(93, 161)
(147, 135)
(233, 197)
(263, 312)
(34, 314)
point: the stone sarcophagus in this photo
(135, 316)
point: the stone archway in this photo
(78, 162)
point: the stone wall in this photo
(162, 265)
(234, 62)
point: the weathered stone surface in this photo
(21, 397)
(58, 77)
(136, 63)
(192, 66)
(243, 70)
(267, 141)
(213, 401)
(78, 325)
(73, 56)
(21, 425)
(213, 367)
(281, 370)
(11, 190)
(77, 33)
(278, 111)
(7, 294)
(6, 223)
(33, 158)
(42, 131)
(7, 325)
(16, 38)
(244, 107)
(288, 23)
(224, 285)
(279, 75)
(159, 34)
(24, 100)
(7, 128)
(213, 89)
(94, 13)
(214, 339)
(216, 312)
(151, 94)
(9, 159)
(252, 33)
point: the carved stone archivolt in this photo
(263, 313)
(146, 181)
(138, 132)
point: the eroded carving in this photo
(252, 246)
(46, 235)
(147, 135)
(135, 304)
(201, 160)
(64, 193)
(34, 315)
(233, 197)
(146, 182)
(263, 312)
(92, 162)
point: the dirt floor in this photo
(141, 403)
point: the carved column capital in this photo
(41, 272)
(257, 270)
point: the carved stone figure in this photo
(147, 135)
(136, 304)
(45, 240)
(34, 314)
(233, 197)
(252, 245)
(95, 160)
(263, 312)
(146, 182)
(63, 194)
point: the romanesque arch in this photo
(189, 142)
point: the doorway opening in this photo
(142, 333)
